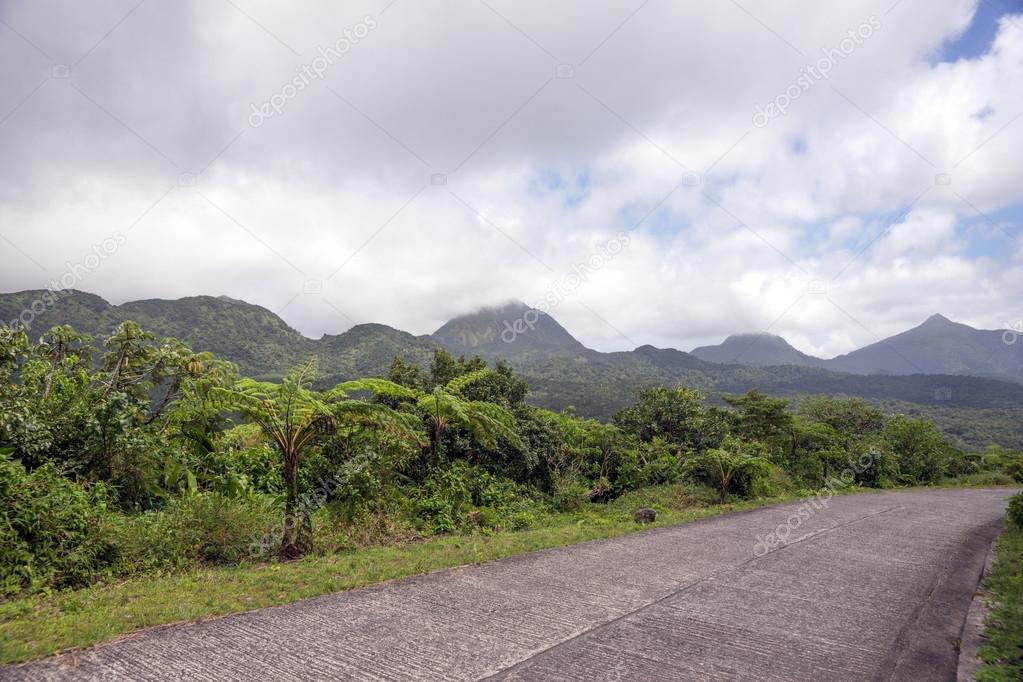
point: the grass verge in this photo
(1002, 653)
(38, 626)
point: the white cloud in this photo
(737, 227)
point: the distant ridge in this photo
(760, 349)
(559, 369)
(939, 345)
(258, 340)
(936, 346)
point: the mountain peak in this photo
(755, 348)
(755, 336)
(507, 330)
(939, 324)
(511, 305)
(937, 346)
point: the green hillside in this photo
(561, 372)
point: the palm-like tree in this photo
(292, 415)
(289, 414)
(734, 458)
(445, 406)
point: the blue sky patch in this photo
(977, 38)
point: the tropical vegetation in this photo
(134, 458)
(1002, 651)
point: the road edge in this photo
(972, 637)
(930, 642)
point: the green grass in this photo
(34, 627)
(1003, 652)
(41, 625)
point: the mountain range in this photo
(939, 363)
(938, 346)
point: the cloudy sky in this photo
(655, 171)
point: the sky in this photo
(644, 171)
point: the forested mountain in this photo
(559, 369)
(938, 346)
(760, 350)
(513, 331)
(258, 340)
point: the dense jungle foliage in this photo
(139, 455)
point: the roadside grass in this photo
(1002, 653)
(41, 625)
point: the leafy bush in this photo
(963, 464)
(53, 532)
(1014, 468)
(208, 528)
(570, 496)
(445, 498)
(1015, 512)
(777, 482)
(984, 478)
(359, 485)
(246, 457)
(923, 455)
(872, 464)
(739, 467)
(461, 497)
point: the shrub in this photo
(208, 528)
(983, 478)
(245, 455)
(777, 482)
(571, 496)
(1013, 467)
(923, 455)
(1015, 512)
(359, 485)
(963, 464)
(461, 497)
(445, 498)
(738, 467)
(53, 532)
(872, 464)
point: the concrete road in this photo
(875, 586)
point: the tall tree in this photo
(761, 417)
(292, 416)
(484, 421)
(735, 458)
(447, 406)
(923, 455)
(676, 415)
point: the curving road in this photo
(875, 586)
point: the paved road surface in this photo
(877, 586)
